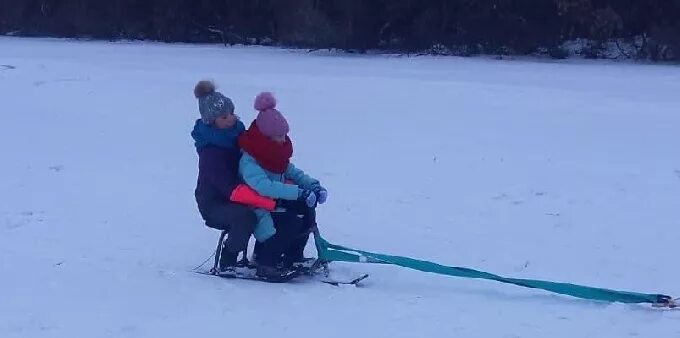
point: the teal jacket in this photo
(274, 186)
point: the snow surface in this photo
(566, 171)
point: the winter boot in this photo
(275, 274)
(227, 266)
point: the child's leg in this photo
(295, 252)
(288, 226)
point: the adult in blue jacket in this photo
(224, 202)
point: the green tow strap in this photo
(331, 252)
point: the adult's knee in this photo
(230, 216)
(243, 217)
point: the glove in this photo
(308, 197)
(321, 194)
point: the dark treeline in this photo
(462, 27)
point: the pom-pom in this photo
(265, 101)
(204, 88)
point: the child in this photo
(265, 166)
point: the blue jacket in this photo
(272, 185)
(205, 135)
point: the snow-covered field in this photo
(567, 171)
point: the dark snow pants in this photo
(238, 220)
(292, 233)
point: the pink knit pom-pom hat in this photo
(270, 121)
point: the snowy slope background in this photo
(567, 171)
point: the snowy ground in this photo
(565, 171)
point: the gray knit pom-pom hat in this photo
(211, 104)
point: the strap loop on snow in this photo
(667, 302)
